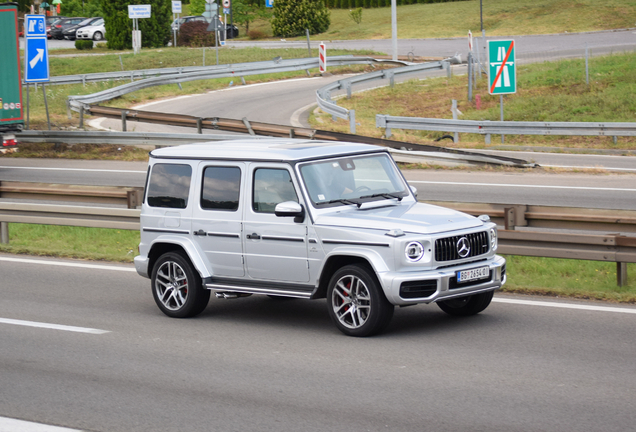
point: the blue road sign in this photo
(34, 26)
(269, 3)
(36, 68)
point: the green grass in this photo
(529, 275)
(549, 91)
(72, 242)
(569, 278)
(501, 17)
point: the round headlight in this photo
(493, 239)
(414, 251)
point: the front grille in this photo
(417, 289)
(446, 248)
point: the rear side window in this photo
(221, 188)
(169, 185)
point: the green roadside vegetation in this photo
(501, 18)
(549, 91)
(526, 275)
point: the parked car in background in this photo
(179, 21)
(59, 26)
(71, 32)
(95, 31)
(50, 21)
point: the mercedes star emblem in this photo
(463, 247)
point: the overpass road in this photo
(256, 364)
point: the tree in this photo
(292, 17)
(155, 30)
(197, 7)
(244, 13)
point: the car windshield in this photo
(352, 180)
(86, 21)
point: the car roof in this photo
(282, 149)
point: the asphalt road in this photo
(257, 364)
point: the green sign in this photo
(10, 79)
(502, 67)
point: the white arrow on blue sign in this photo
(36, 67)
(269, 3)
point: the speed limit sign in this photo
(226, 4)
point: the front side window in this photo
(169, 185)
(271, 187)
(221, 188)
(352, 180)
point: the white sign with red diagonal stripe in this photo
(322, 58)
(502, 68)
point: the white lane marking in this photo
(74, 169)
(565, 305)
(13, 425)
(67, 264)
(588, 167)
(52, 326)
(523, 186)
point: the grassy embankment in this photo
(501, 17)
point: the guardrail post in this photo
(446, 65)
(4, 232)
(509, 218)
(621, 273)
(615, 138)
(487, 138)
(199, 125)
(84, 80)
(348, 87)
(69, 113)
(123, 120)
(352, 121)
(454, 110)
(131, 199)
(81, 116)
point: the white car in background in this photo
(96, 31)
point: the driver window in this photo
(271, 187)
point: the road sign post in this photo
(36, 57)
(176, 10)
(502, 70)
(135, 12)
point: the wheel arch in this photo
(335, 262)
(161, 247)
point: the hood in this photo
(411, 218)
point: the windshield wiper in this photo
(342, 201)
(384, 195)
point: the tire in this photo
(98, 36)
(466, 306)
(356, 302)
(177, 287)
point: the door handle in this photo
(199, 233)
(253, 236)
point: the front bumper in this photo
(437, 285)
(141, 265)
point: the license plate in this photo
(472, 274)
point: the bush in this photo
(292, 17)
(81, 44)
(195, 34)
(256, 34)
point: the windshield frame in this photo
(394, 175)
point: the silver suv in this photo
(307, 219)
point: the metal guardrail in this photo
(255, 129)
(323, 94)
(238, 70)
(132, 75)
(129, 196)
(489, 128)
(594, 246)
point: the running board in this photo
(253, 290)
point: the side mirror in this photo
(414, 190)
(289, 209)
